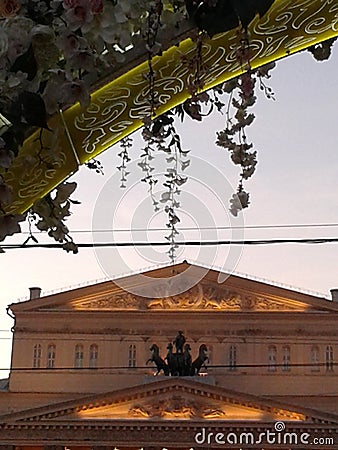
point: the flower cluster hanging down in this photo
(52, 53)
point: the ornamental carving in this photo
(176, 407)
(211, 298)
(116, 301)
(264, 304)
(200, 297)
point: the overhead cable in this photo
(179, 243)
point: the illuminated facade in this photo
(79, 378)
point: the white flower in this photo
(120, 15)
(75, 91)
(69, 43)
(19, 36)
(16, 79)
(62, 91)
(79, 16)
(53, 91)
(83, 60)
(238, 202)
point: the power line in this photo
(215, 228)
(179, 243)
(231, 368)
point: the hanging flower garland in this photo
(53, 51)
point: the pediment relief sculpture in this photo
(116, 301)
(200, 297)
(211, 298)
(176, 407)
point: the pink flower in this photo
(68, 4)
(96, 6)
(247, 85)
(79, 15)
(8, 8)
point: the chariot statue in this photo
(179, 342)
(180, 362)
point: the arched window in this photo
(93, 356)
(286, 358)
(51, 350)
(132, 355)
(37, 352)
(272, 358)
(329, 358)
(78, 359)
(315, 359)
(232, 357)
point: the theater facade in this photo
(179, 357)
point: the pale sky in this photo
(295, 183)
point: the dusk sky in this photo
(295, 184)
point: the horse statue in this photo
(187, 360)
(179, 363)
(172, 361)
(200, 360)
(159, 362)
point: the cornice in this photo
(171, 434)
(134, 424)
(221, 336)
(166, 388)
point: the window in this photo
(286, 359)
(132, 355)
(93, 355)
(51, 356)
(232, 357)
(78, 361)
(272, 356)
(329, 358)
(37, 352)
(315, 359)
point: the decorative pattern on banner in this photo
(118, 108)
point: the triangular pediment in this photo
(188, 288)
(169, 399)
(203, 297)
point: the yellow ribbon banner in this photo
(118, 108)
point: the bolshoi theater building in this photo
(175, 358)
